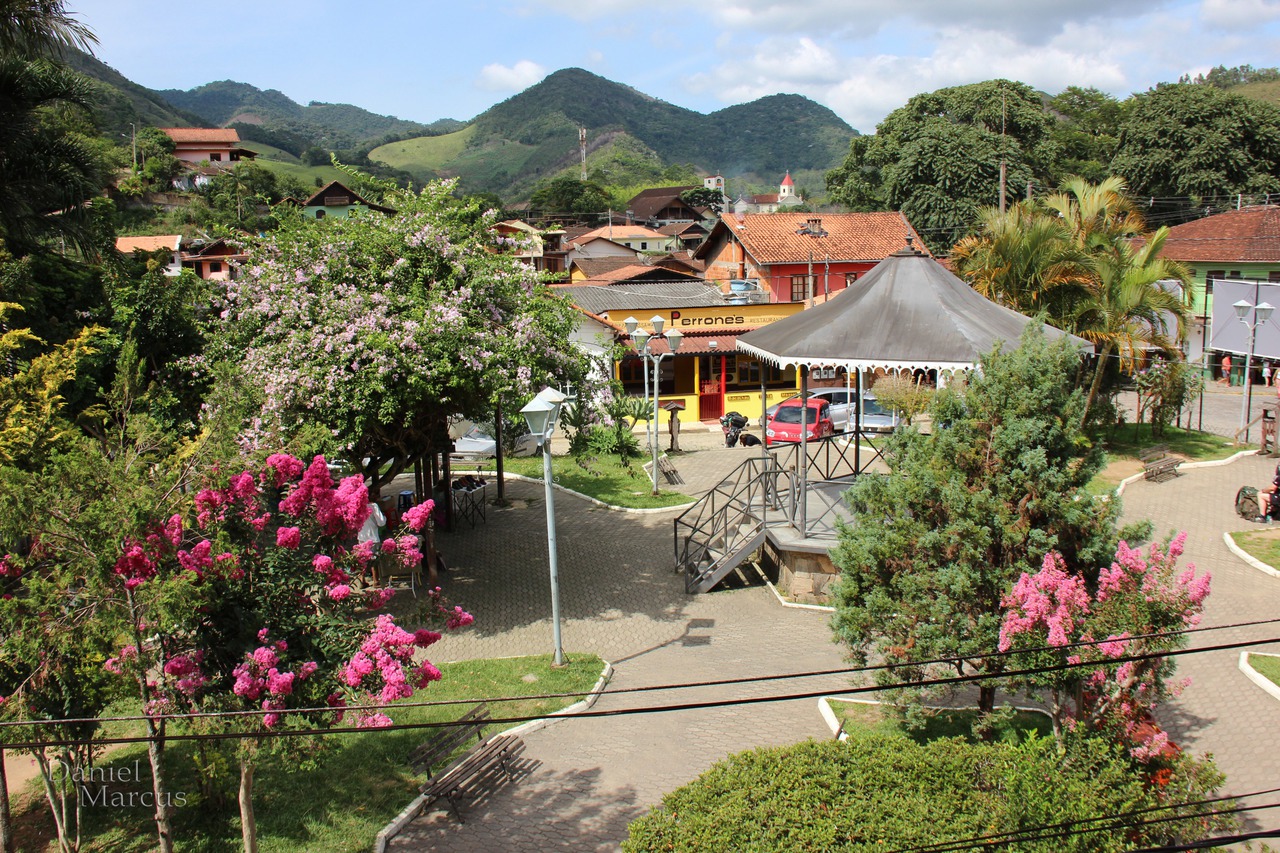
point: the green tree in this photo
(376, 329)
(936, 545)
(567, 194)
(1189, 140)
(712, 200)
(1086, 132)
(937, 158)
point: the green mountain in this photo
(534, 135)
(274, 118)
(122, 102)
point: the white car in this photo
(475, 445)
(874, 418)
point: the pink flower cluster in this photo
(416, 517)
(379, 667)
(339, 512)
(1053, 597)
(115, 665)
(7, 569)
(185, 669)
(260, 676)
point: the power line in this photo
(653, 709)
(1014, 835)
(722, 682)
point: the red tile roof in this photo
(126, 245)
(1252, 234)
(771, 238)
(622, 232)
(194, 135)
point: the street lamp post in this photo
(644, 348)
(812, 228)
(1261, 313)
(541, 414)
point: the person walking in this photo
(1226, 369)
(1266, 373)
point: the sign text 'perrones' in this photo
(720, 320)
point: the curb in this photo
(1247, 557)
(1258, 678)
(823, 607)
(1188, 466)
(589, 499)
(411, 811)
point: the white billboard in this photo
(1228, 334)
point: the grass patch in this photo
(939, 722)
(1129, 439)
(1268, 666)
(602, 478)
(330, 794)
(1263, 545)
(424, 155)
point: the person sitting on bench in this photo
(1269, 498)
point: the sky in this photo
(429, 59)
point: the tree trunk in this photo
(6, 819)
(248, 826)
(57, 805)
(155, 754)
(1097, 380)
(986, 699)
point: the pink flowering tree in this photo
(377, 328)
(1136, 595)
(258, 602)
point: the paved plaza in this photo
(621, 599)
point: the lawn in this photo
(327, 795)
(940, 722)
(1262, 544)
(603, 478)
(423, 155)
(1124, 443)
(1267, 666)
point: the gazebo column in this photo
(804, 450)
(857, 426)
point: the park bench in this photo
(470, 773)
(1157, 464)
(666, 469)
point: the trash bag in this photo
(1247, 504)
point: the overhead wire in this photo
(650, 688)
(650, 709)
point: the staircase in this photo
(727, 525)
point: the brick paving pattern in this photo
(621, 599)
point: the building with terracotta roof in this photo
(171, 244)
(637, 238)
(211, 144)
(214, 261)
(785, 197)
(796, 257)
(1238, 244)
(663, 206)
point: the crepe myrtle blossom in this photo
(1139, 594)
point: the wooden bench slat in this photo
(469, 771)
(441, 746)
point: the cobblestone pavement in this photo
(588, 778)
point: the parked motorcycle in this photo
(733, 423)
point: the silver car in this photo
(874, 417)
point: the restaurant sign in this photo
(727, 317)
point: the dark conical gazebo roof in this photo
(907, 312)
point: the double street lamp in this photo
(644, 348)
(541, 414)
(1261, 313)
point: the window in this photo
(850, 278)
(319, 214)
(644, 246)
(1273, 276)
(799, 288)
(1210, 277)
(215, 266)
(215, 157)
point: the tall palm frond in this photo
(33, 28)
(1098, 214)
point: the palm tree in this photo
(1127, 309)
(46, 174)
(1025, 259)
(1097, 214)
(32, 28)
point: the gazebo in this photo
(908, 312)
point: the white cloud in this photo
(496, 77)
(1239, 14)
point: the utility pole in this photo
(582, 147)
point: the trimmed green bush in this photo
(881, 792)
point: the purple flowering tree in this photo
(257, 603)
(377, 328)
(1136, 595)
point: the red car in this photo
(784, 424)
